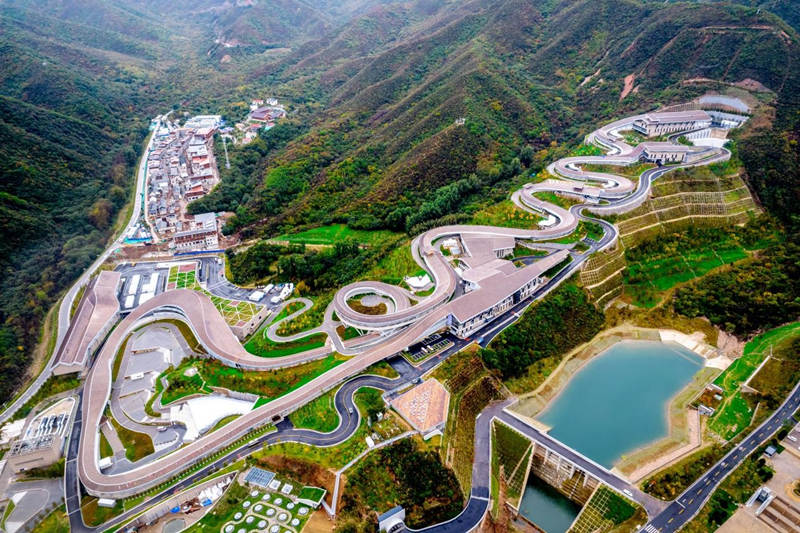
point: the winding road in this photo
(603, 193)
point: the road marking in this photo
(670, 520)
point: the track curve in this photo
(602, 192)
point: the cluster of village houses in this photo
(181, 168)
(263, 114)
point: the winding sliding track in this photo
(404, 325)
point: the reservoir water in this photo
(617, 402)
(546, 507)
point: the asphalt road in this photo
(344, 402)
(349, 420)
(688, 504)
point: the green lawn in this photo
(553, 198)
(338, 233)
(55, 522)
(382, 368)
(630, 171)
(655, 274)
(262, 346)
(311, 493)
(179, 385)
(137, 445)
(395, 266)
(311, 318)
(7, 512)
(223, 422)
(94, 515)
(269, 384)
(734, 413)
(506, 214)
(319, 414)
(347, 332)
(105, 447)
(341, 454)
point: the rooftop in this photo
(424, 406)
(501, 285)
(98, 305)
(677, 116)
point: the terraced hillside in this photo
(524, 76)
(711, 197)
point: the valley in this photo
(372, 251)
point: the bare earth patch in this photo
(628, 87)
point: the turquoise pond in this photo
(618, 401)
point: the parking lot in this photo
(428, 346)
(140, 282)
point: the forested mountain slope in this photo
(80, 80)
(376, 90)
(520, 73)
(73, 97)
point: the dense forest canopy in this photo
(375, 91)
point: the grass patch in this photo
(7, 512)
(137, 445)
(629, 171)
(262, 346)
(269, 384)
(76, 301)
(398, 264)
(735, 412)
(382, 368)
(223, 422)
(105, 447)
(55, 522)
(94, 515)
(356, 305)
(555, 199)
(53, 385)
(506, 215)
(312, 318)
(341, 454)
(319, 414)
(347, 332)
(329, 235)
